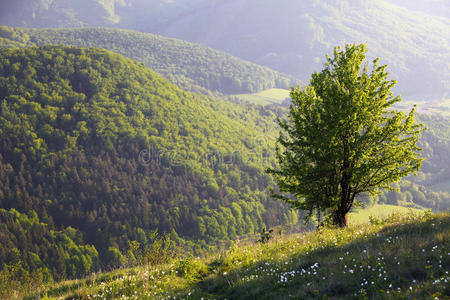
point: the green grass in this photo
(402, 257)
(441, 107)
(270, 96)
(362, 215)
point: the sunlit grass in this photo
(270, 96)
(402, 257)
(362, 215)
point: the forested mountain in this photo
(100, 143)
(288, 36)
(188, 65)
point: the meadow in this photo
(359, 215)
(403, 256)
(269, 96)
(441, 107)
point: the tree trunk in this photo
(340, 215)
(340, 218)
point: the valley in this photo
(140, 141)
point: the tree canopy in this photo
(341, 138)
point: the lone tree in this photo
(341, 139)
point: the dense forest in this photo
(190, 66)
(101, 144)
(98, 151)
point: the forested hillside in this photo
(100, 143)
(188, 65)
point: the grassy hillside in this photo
(396, 258)
(266, 97)
(359, 216)
(188, 65)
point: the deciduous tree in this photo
(341, 137)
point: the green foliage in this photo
(105, 152)
(265, 235)
(34, 254)
(161, 249)
(36, 247)
(114, 257)
(191, 268)
(157, 250)
(188, 65)
(16, 280)
(341, 140)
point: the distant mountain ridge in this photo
(188, 65)
(294, 36)
(439, 8)
(412, 37)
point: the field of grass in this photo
(362, 215)
(270, 96)
(402, 257)
(441, 107)
(277, 96)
